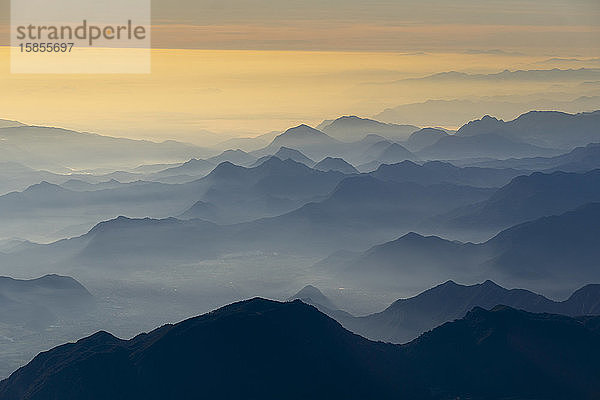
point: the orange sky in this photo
(262, 74)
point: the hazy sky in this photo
(275, 63)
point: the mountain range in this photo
(540, 128)
(526, 198)
(352, 128)
(57, 149)
(534, 356)
(491, 145)
(456, 112)
(436, 172)
(580, 159)
(555, 250)
(406, 319)
(37, 303)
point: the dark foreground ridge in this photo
(261, 349)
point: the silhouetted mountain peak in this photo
(353, 128)
(122, 222)
(285, 153)
(311, 295)
(226, 170)
(303, 130)
(423, 138)
(486, 125)
(50, 282)
(490, 284)
(585, 301)
(303, 137)
(481, 316)
(277, 165)
(592, 289)
(449, 283)
(45, 187)
(335, 164)
(480, 355)
(372, 138)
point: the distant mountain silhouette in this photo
(457, 112)
(394, 153)
(335, 164)
(248, 144)
(406, 319)
(286, 153)
(424, 138)
(435, 172)
(529, 197)
(560, 250)
(371, 139)
(414, 254)
(42, 193)
(37, 303)
(46, 200)
(492, 145)
(204, 210)
(541, 128)
(384, 152)
(18, 177)
(193, 167)
(273, 187)
(361, 210)
(580, 159)
(564, 247)
(356, 206)
(310, 141)
(353, 128)
(238, 157)
(313, 296)
(50, 147)
(534, 356)
(6, 123)
(544, 75)
(79, 185)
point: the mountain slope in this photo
(580, 159)
(48, 146)
(435, 172)
(457, 112)
(238, 157)
(37, 303)
(534, 356)
(266, 348)
(335, 164)
(310, 141)
(285, 153)
(423, 138)
(529, 197)
(549, 252)
(491, 145)
(361, 211)
(507, 353)
(405, 319)
(313, 296)
(551, 129)
(551, 248)
(353, 128)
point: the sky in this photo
(246, 67)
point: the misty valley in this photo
(371, 259)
